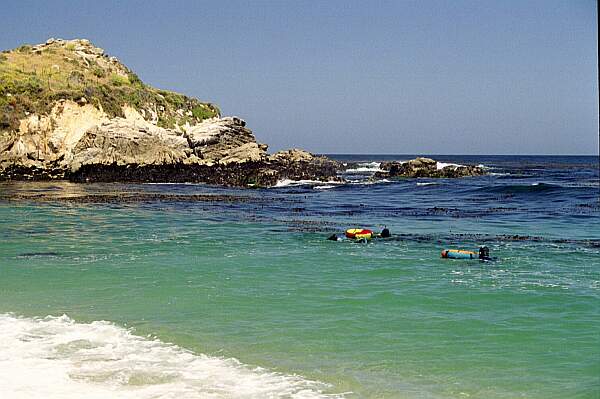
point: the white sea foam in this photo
(365, 167)
(429, 183)
(442, 165)
(288, 182)
(326, 187)
(56, 357)
(369, 182)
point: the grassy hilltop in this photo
(34, 78)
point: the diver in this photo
(484, 254)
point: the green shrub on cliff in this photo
(99, 72)
(24, 48)
(202, 112)
(33, 78)
(134, 79)
(118, 80)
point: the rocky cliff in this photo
(68, 110)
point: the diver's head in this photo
(484, 253)
(385, 233)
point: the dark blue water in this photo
(555, 196)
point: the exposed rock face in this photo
(426, 167)
(217, 151)
(122, 142)
(94, 120)
(225, 141)
(293, 155)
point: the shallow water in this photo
(246, 298)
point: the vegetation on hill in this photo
(34, 78)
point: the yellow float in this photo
(359, 234)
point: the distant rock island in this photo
(70, 111)
(426, 167)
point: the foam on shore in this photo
(56, 357)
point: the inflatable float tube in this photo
(359, 234)
(483, 254)
(459, 254)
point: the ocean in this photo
(162, 291)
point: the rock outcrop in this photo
(217, 151)
(426, 167)
(69, 111)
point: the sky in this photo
(366, 77)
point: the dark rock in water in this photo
(263, 173)
(426, 167)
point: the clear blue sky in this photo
(432, 77)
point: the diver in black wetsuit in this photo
(484, 254)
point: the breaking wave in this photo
(442, 165)
(56, 357)
(429, 183)
(365, 167)
(292, 183)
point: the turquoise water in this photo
(256, 281)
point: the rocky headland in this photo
(70, 111)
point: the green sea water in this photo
(385, 320)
